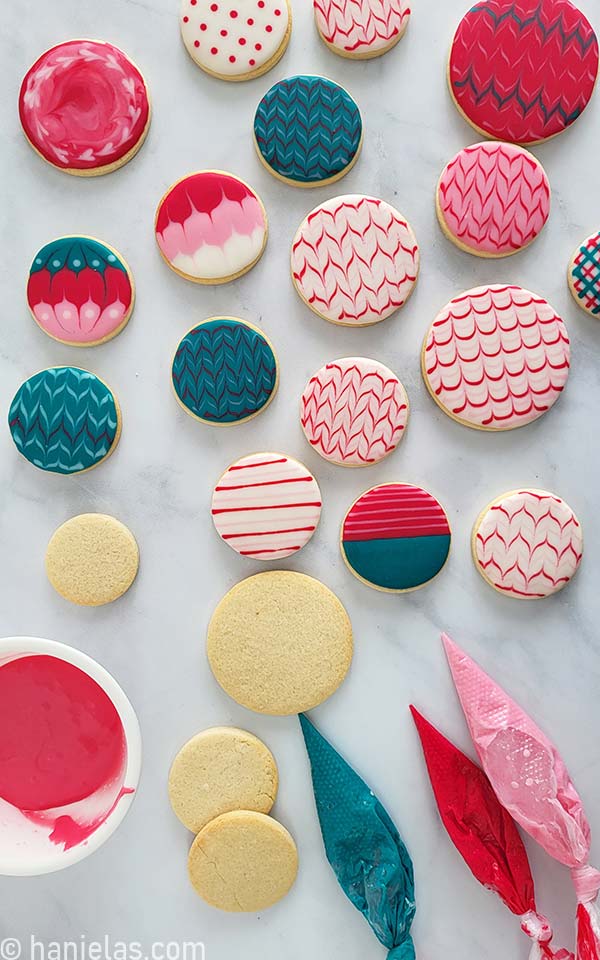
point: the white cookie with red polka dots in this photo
(236, 39)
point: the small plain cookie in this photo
(266, 506)
(65, 420)
(80, 291)
(236, 39)
(243, 862)
(308, 131)
(527, 544)
(493, 199)
(224, 371)
(220, 770)
(584, 275)
(211, 227)
(396, 538)
(361, 29)
(355, 260)
(280, 643)
(354, 411)
(496, 357)
(523, 70)
(84, 107)
(92, 559)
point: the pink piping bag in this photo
(531, 781)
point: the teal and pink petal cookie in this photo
(396, 537)
(361, 29)
(584, 275)
(80, 291)
(211, 227)
(65, 420)
(224, 371)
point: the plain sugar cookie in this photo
(92, 559)
(496, 357)
(84, 107)
(266, 506)
(308, 131)
(236, 39)
(354, 411)
(280, 643)
(220, 770)
(493, 199)
(584, 275)
(396, 537)
(243, 862)
(523, 70)
(361, 29)
(355, 260)
(527, 544)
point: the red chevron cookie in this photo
(523, 70)
(361, 29)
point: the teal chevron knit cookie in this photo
(224, 371)
(65, 420)
(308, 131)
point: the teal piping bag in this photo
(363, 846)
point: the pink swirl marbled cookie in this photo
(361, 29)
(493, 199)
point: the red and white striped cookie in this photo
(266, 506)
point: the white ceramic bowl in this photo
(25, 846)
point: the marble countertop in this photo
(159, 482)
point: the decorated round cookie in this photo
(84, 107)
(493, 199)
(396, 537)
(527, 544)
(236, 39)
(266, 506)
(496, 357)
(523, 70)
(65, 420)
(211, 227)
(361, 29)
(80, 291)
(224, 371)
(355, 260)
(308, 131)
(584, 275)
(354, 411)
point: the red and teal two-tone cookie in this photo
(396, 537)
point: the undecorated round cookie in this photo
(361, 29)
(236, 39)
(584, 275)
(354, 411)
(355, 260)
(493, 199)
(496, 357)
(220, 770)
(280, 643)
(92, 559)
(527, 544)
(243, 862)
(308, 131)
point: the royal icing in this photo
(224, 371)
(354, 411)
(308, 129)
(396, 537)
(64, 420)
(84, 105)
(361, 27)
(355, 260)
(496, 357)
(211, 227)
(79, 290)
(584, 275)
(523, 70)
(494, 198)
(266, 506)
(234, 37)
(528, 544)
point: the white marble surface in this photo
(159, 482)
